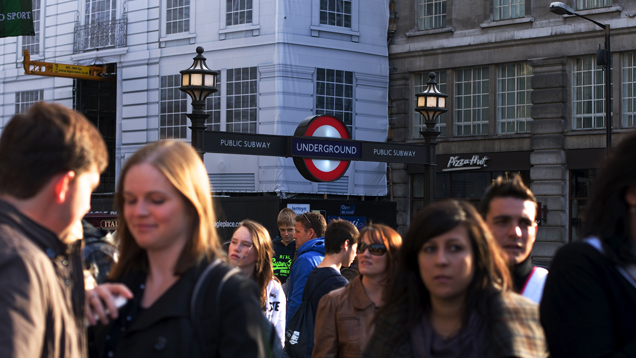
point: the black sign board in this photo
(240, 143)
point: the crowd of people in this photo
(460, 283)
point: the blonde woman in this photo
(166, 240)
(251, 251)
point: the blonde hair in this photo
(263, 269)
(184, 169)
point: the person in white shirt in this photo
(251, 251)
(510, 209)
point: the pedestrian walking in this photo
(450, 296)
(344, 321)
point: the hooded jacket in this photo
(308, 256)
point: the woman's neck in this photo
(248, 271)
(374, 288)
(446, 316)
(161, 266)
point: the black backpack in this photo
(299, 333)
(220, 274)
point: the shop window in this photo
(334, 95)
(24, 100)
(177, 16)
(335, 13)
(32, 43)
(238, 12)
(592, 4)
(513, 98)
(629, 89)
(418, 119)
(173, 122)
(241, 100)
(580, 190)
(509, 9)
(431, 14)
(588, 94)
(471, 101)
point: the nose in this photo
(441, 257)
(514, 230)
(140, 208)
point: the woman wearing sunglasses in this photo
(344, 320)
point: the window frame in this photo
(527, 120)
(225, 97)
(579, 2)
(444, 15)
(20, 106)
(40, 32)
(354, 31)
(163, 26)
(188, 109)
(484, 122)
(344, 97)
(597, 71)
(628, 86)
(496, 4)
(254, 26)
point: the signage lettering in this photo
(455, 163)
(326, 148)
(21, 15)
(244, 143)
(394, 152)
(108, 224)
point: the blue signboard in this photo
(347, 209)
(358, 221)
(321, 148)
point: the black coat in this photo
(165, 330)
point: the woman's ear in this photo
(630, 196)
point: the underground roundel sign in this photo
(321, 137)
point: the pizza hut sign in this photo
(457, 163)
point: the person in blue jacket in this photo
(310, 229)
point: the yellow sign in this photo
(70, 69)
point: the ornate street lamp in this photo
(199, 82)
(603, 58)
(431, 103)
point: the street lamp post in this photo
(431, 103)
(199, 82)
(604, 58)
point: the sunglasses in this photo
(374, 249)
(309, 221)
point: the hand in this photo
(100, 302)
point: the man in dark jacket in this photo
(50, 161)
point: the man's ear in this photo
(345, 246)
(61, 183)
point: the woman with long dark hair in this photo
(588, 307)
(251, 251)
(167, 238)
(450, 294)
(344, 320)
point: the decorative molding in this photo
(175, 37)
(99, 54)
(522, 20)
(364, 79)
(240, 28)
(290, 71)
(602, 10)
(415, 33)
(315, 31)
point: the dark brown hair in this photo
(313, 221)
(47, 140)
(263, 270)
(338, 231)
(505, 188)
(608, 214)
(406, 298)
(184, 169)
(382, 234)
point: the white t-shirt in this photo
(276, 308)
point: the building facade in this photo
(279, 62)
(525, 96)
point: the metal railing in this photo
(100, 35)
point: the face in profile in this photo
(446, 265)
(372, 258)
(78, 197)
(241, 252)
(302, 235)
(512, 223)
(155, 212)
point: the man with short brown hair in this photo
(50, 162)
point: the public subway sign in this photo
(457, 163)
(16, 18)
(322, 148)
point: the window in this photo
(241, 100)
(335, 12)
(238, 12)
(431, 14)
(334, 95)
(213, 108)
(32, 43)
(173, 107)
(420, 85)
(513, 98)
(629, 89)
(588, 94)
(24, 100)
(592, 4)
(471, 101)
(509, 9)
(177, 16)
(580, 192)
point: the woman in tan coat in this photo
(344, 320)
